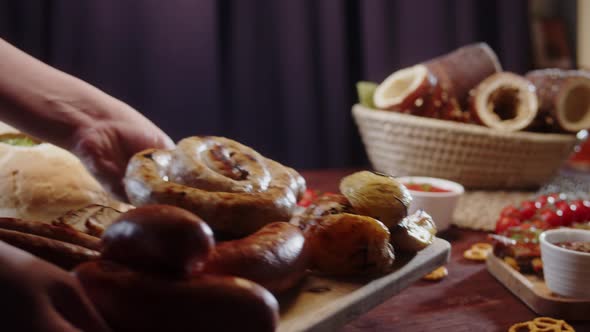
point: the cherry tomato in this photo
(505, 223)
(527, 210)
(577, 208)
(510, 211)
(551, 217)
(541, 201)
(581, 210)
(567, 215)
(308, 197)
(586, 210)
(304, 202)
(555, 197)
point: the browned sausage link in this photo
(504, 101)
(461, 70)
(159, 239)
(275, 257)
(564, 99)
(64, 254)
(64, 234)
(134, 301)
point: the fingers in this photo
(40, 317)
(106, 148)
(164, 142)
(158, 139)
(47, 300)
(53, 322)
(70, 302)
(100, 151)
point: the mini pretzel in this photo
(478, 252)
(548, 323)
(483, 246)
(437, 274)
(522, 327)
(542, 324)
(475, 254)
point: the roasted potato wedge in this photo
(414, 233)
(377, 195)
(348, 244)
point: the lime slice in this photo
(365, 91)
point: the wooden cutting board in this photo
(533, 291)
(326, 304)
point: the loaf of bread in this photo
(42, 182)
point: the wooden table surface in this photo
(469, 299)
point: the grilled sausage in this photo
(158, 238)
(231, 186)
(136, 301)
(275, 257)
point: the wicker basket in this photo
(475, 156)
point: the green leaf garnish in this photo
(18, 139)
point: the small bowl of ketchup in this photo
(438, 197)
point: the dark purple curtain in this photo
(276, 75)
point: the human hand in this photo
(68, 112)
(106, 145)
(40, 297)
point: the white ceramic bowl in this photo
(440, 205)
(567, 272)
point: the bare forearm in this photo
(46, 102)
(102, 131)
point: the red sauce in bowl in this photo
(426, 187)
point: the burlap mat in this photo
(480, 209)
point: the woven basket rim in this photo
(436, 124)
